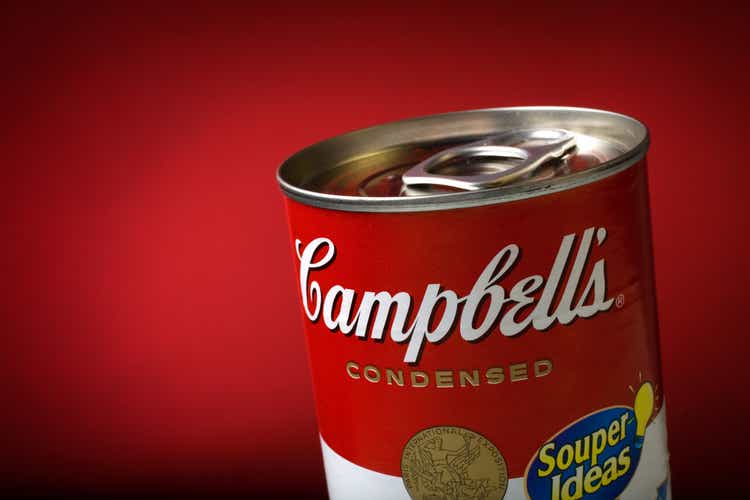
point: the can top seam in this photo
(326, 154)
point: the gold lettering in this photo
(495, 375)
(396, 377)
(424, 379)
(369, 369)
(610, 471)
(614, 430)
(351, 369)
(444, 378)
(576, 482)
(599, 442)
(542, 368)
(624, 459)
(518, 371)
(472, 379)
(556, 487)
(591, 481)
(545, 456)
(583, 449)
(565, 457)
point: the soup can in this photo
(477, 291)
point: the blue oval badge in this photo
(594, 457)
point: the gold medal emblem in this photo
(453, 463)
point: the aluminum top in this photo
(463, 159)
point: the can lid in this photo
(542, 145)
(463, 159)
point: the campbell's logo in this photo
(369, 316)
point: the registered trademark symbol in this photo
(620, 301)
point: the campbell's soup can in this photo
(477, 292)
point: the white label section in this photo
(349, 481)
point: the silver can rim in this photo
(392, 133)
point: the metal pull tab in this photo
(544, 145)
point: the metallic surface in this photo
(555, 143)
(336, 173)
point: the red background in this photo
(151, 339)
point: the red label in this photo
(511, 320)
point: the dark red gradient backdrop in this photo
(151, 339)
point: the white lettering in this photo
(340, 311)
